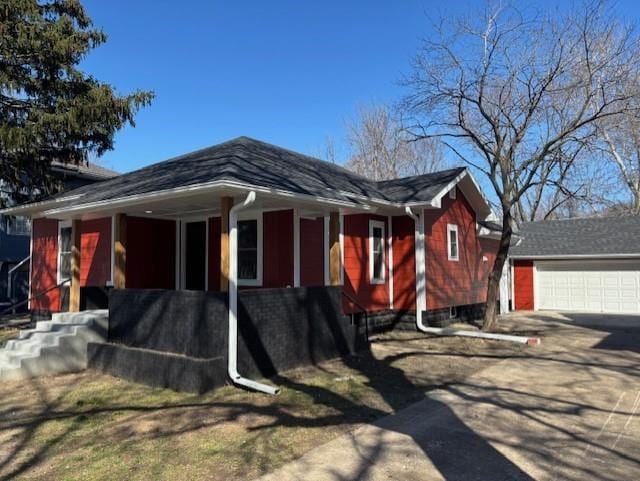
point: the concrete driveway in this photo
(566, 410)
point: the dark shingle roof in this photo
(242, 160)
(248, 161)
(580, 237)
(90, 170)
(419, 188)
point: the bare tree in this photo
(570, 187)
(515, 93)
(622, 145)
(381, 148)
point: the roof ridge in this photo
(310, 157)
(412, 177)
(592, 217)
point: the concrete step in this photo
(34, 336)
(53, 347)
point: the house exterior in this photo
(582, 264)
(15, 233)
(290, 242)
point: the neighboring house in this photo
(313, 242)
(15, 234)
(582, 264)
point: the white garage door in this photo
(593, 286)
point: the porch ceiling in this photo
(208, 204)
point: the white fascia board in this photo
(196, 189)
(38, 206)
(577, 256)
(436, 202)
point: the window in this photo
(18, 225)
(453, 312)
(453, 193)
(376, 252)
(452, 241)
(64, 252)
(250, 252)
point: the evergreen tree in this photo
(49, 110)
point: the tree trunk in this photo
(493, 287)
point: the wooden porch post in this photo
(120, 254)
(226, 203)
(334, 248)
(74, 290)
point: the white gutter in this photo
(232, 365)
(421, 301)
(560, 257)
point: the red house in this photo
(266, 218)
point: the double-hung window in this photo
(250, 252)
(376, 252)
(452, 242)
(64, 252)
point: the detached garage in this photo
(589, 265)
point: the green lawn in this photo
(90, 426)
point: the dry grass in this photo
(7, 333)
(94, 427)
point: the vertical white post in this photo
(296, 248)
(325, 250)
(390, 244)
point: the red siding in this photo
(215, 227)
(404, 263)
(523, 285)
(44, 265)
(95, 252)
(373, 297)
(451, 283)
(278, 248)
(311, 252)
(151, 253)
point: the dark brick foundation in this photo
(178, 339)
(158, 369)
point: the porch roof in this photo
(246, 164)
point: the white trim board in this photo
(373, 224)
(258, 216)
(390, 247)
(453, 228)
(66, 224)
(183, 263)
(296, 247)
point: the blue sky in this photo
(287, 72)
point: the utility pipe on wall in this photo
(232, 365)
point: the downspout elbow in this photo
(232, 362)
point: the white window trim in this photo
(62, 225)
(183, 254)
(390, 247)
(327, 274)
(257, 216)
(450, 228)
(379, 224)
(453, 194)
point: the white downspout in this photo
(421, 298)
(421, 280)
(232, 366)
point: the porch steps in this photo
(53, 347)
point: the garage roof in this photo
(579, 237)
